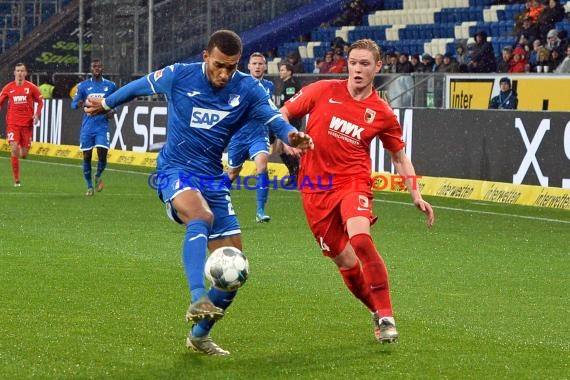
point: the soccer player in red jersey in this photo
(21, 116)
(344, 117)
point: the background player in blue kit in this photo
(94, 129)
(207, 103)
(252, 141)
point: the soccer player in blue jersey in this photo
(252, 141)
(94, 129)
(207, 103)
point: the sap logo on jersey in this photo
(97, 95)
(204, 118)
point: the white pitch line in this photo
(80, 163)
(375, 200)
(480, 212)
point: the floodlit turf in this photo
(94, 288)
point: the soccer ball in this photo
(227, 268)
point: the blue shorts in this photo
(239, 151)
(91, 138)
(214, 191)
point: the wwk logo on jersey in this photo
(19, 99)
(204, 118)
(345, 130)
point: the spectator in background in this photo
(534, 11)
(437, 63)
(556, 56)
(449, 64)
(327, 62)
(318, 62)
(521, 16)
(417, 64)
(563, 36)
(47, 88)
(524, 43)
(339, 62)
(552, 13)
(428, 62)
(338, 45)
(352, 13)
(462, 57)
(505, 63)
(391, 64)
(533, 55)
(482, 55)
(552, 40)
(294, 59)
(564, 66)
(518, 63)
(528, 28)
(507, 98)
(543, 61)
(404, 65)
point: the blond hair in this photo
(367, 44)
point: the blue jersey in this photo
(96, 88)
(202, 118)
(251, 140)
(253, 131)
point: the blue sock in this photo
(221, 299)
(87, 174)
(194, 256)
(262, 190)
(101, 165)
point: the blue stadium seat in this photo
(451, 25)
(309, 64)
(480, 3)
(394, 4)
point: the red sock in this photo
(354, 281)
(375, 273)
(16, 168)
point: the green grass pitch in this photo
(93, 288)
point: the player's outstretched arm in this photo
(404, 167)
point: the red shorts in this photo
(328, 211)
(20, 135)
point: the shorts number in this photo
(324, 247)
(231, 210)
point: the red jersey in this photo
(21, 103)
(342, 129)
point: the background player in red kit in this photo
(21, 117)
(344, 117)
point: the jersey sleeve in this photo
(3, 96)
(265, 112)
(303, 101)
(38, 98)
(270, 87)
(78, 97)
(157, 82)
(391, 134)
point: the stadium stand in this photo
(19, 17)
(421, 27)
